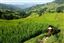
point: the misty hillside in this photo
(48, 7)
(59, 1)
(23, 11)
(24, 6)
(16, 7)
(7, 6)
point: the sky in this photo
(24, 1)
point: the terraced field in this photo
(29, 29)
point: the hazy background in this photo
(21, 2)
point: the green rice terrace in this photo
(29, 23)
(32, 28)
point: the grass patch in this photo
(20, 30)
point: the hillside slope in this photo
(33, 27)
(20, 30)
(9, 7)
(57, 20)
(55, 6)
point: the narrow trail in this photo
(43, 40)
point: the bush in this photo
(60, 9)
(8, 14)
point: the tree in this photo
(60, 9)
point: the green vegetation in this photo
(11, 14)
(59, 2)
(55, 6)
(17, 31)
(56, 19)
(29, 25)
(7, 6)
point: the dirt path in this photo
(43, 40)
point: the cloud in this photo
(24, 1)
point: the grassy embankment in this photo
(15, 31)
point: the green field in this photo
(20, 30)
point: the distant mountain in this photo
(28, 9)
(16, 7)
(7, 6)
(31, 7)
(59, 1)
(54, 6)
(25, 6)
